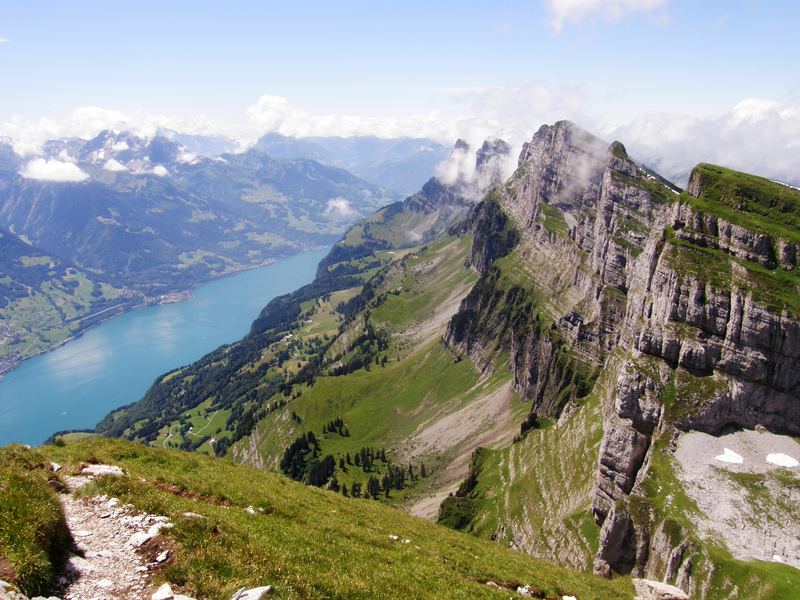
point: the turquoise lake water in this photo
(115, 363)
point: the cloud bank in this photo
(757, 135)
(572, 12)
(52, 170)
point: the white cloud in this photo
(574, 11)
(512, 111)
(459, 166)
(756, 135)
(187, 157)
(4, 40)
(120, 146)
(52, 170)
(113, 164)
(160, 170)
(339, 208)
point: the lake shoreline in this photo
(74, 386)
(8, 364)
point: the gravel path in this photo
(117, 548)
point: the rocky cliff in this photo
(685, 301)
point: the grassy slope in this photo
(757, 204)
(540, 487)
(309, 543)
(33, 534)
(753, 202)
(383, 406)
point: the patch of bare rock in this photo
(656, 590)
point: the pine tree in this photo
(348, 459)
(344, 490)
(358, 460)
(423, 472)
(373, 487)
(341, 464)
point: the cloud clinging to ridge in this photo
(52, 170)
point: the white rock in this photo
(55, 467)
(656, 590)
(192, 515)
(568, 598)
(139, 538)
(82, 533)
(105, 583)
(163, 593)
(394, 538)
(163, 556)
(524, 590)
(250, 510)
(112, 503)
(253, 593)
(102, 470)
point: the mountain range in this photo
(152, 215)
(577, 360)
(560, 366)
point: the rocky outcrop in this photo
(605, 266)
(575, 215)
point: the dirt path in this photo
(117, 547)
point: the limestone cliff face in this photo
(571, 220)
(585, 256)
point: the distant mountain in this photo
(202, 145)
(401, 164)
(595, 367)
(152, 215)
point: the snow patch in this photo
(160, 170)
(782, 460)
(729, 456)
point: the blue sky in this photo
(395, 67)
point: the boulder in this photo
(163, 593)
(98, 470)
(656, 590)
(253, 593)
